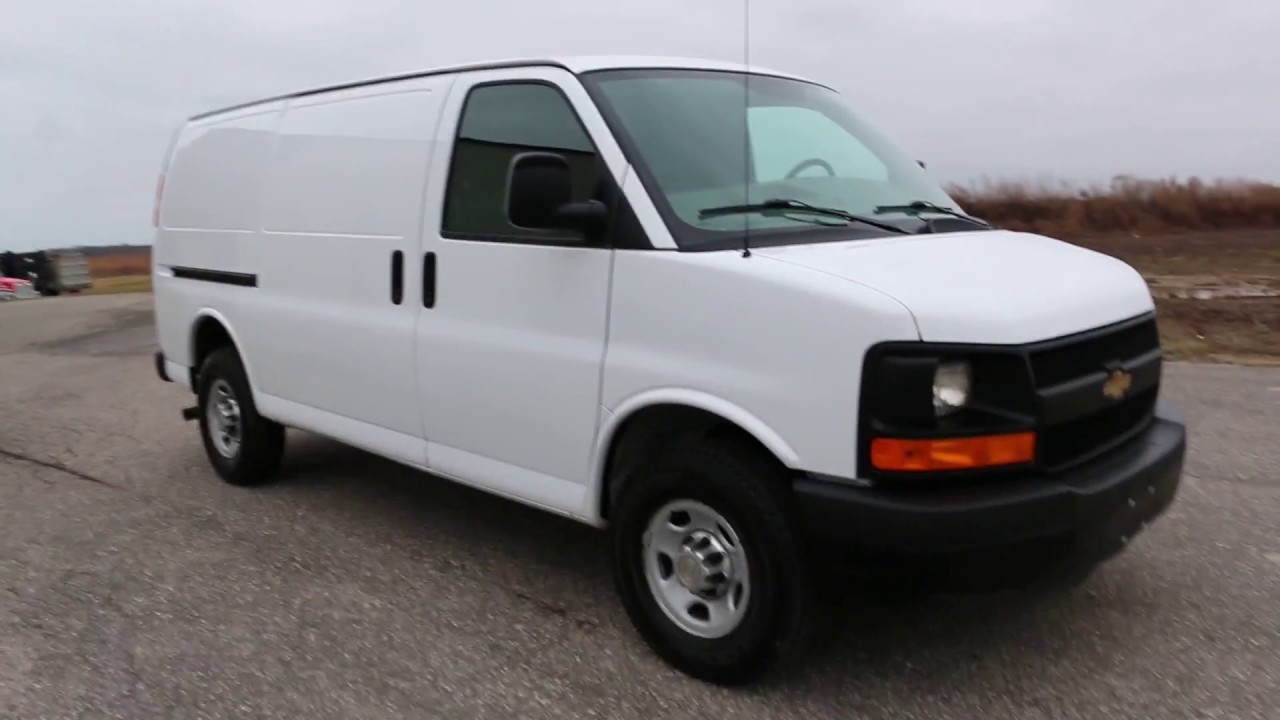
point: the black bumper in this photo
(1006, 532)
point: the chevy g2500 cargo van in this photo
(706, 307)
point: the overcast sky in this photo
(1074, 89)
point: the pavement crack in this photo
(582, 623)
(54, 465)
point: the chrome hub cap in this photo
(223, 414)
(696, 568)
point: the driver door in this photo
(511, 338)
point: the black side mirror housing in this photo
(540, 196)
(538, 185)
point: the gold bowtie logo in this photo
(1117, 385)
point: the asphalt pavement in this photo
(135, 584)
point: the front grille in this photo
(1069, 359)
(1076, 441)
(1077, 359)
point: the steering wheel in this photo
(812, 162)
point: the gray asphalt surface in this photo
(134, 584)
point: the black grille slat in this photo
(1084, 438)
(1073, 359)
(1067, 359)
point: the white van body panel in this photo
(209, 218)
(995, 287)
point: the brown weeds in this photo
(118, 264)
(1127, 204)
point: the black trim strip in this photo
(215, 276)
(429, 280)
(397, 277)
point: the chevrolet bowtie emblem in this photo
(1117, 385)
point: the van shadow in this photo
(445, 522)
(863, 643)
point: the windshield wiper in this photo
(922, 206)
(780, 206)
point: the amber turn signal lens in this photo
(898, 455)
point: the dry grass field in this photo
(113, 284)
(117, 264)
(1126, 205)
(121, 272)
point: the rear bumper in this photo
(1008, 532)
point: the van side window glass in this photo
(498, 123)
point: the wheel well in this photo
(209, 336)
(649, 429)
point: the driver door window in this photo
(499, 122)
(786, 139)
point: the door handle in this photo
(429, 280)
(397, 277)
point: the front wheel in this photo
(708, 565)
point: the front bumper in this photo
(1010, 531)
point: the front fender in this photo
(612, 420)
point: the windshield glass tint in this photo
(704, 139)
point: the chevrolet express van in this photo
(705, 307)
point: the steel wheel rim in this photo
(696, 568)
(223, 413)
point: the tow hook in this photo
(191, 413)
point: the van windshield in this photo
(708, 139)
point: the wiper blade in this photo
(779, 206)
(921, 206)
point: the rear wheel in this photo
(708, 565)
(243, 447)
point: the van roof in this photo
(574, 64)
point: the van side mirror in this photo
(540, 196)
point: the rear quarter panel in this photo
(208, 218)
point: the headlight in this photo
(951, 383)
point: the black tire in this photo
(750, 493)
(261, 443)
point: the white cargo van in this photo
(708, 308)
